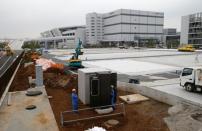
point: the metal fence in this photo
(117, 112)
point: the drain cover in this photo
(113, 122)
(30, 107)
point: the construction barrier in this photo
(120, 110)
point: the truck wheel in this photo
(189, 87)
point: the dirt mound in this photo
(21, 81)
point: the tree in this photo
(151, 43)
(31, 45)
(2, 45)
(173, 44)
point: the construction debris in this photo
(184, 117)
(130, 99)
(104, 111)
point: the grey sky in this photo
(27, 18)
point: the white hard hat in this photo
(73, 90)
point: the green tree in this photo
(151, 43)
(173, 44)
(2, 45)
(31, 45)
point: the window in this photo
(187, 71)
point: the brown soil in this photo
(144, 116)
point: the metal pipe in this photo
(93, 108)
(89, 118)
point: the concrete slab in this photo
(167, 91)
(130, 99)
(16, 118)
(177, 90)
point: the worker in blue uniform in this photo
(113, 97)
(74, 100)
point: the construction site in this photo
(117, 89)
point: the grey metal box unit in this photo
(100, 77)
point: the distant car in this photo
(136, 47)
(134, 81)
(186, 48)
(123, 47)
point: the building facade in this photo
(124, 25)
(64, 37)
(171, 38)
(94, 28)
(191, 29)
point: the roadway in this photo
(6, 61)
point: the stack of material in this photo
(130, 99)
(45, 63)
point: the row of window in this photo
(70, 34)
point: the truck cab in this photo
(191, 78)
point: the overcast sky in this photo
(27, 18)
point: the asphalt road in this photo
(6, 61)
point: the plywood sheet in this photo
(130, 99)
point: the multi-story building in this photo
(171, 36)
(94, 28)
(191, 29)
(124, 25)
(64, 37)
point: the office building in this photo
(191, 29)
(124, 26)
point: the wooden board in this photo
(130, 99)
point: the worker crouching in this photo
(74, 101)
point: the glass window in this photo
(187, 71)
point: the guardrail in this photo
(117, 112)
(5, 78)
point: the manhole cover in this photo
(30, 107)
(197, 116)
(113, 122)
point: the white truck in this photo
(191, 79)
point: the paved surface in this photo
(6, 61)
(118, 54)
(177, 90)
(17, 118)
